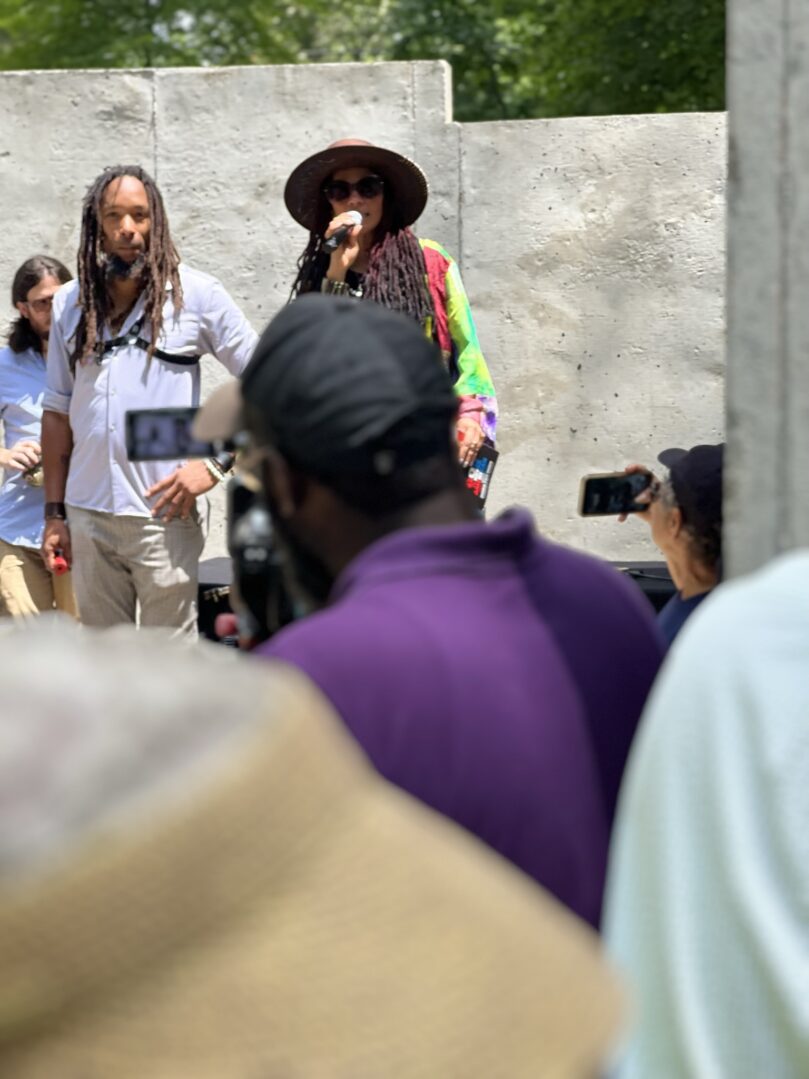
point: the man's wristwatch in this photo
(225, 461)
(220, 465)
(55, 511)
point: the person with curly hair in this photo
(371, 196)
(26, 586)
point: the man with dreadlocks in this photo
(129, 335)
(381, 259)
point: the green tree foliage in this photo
(619, 56)
(510, 58)
(154, 33)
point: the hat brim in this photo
(669, 458)
(221, 418)
(304, 917)
(304, 187)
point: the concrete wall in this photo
(767, 494)
(593, 250)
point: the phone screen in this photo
(479, 473)
(612, 493)
(163, 434)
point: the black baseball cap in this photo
(696, 479)
(339, 386)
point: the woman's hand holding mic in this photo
(342, 241)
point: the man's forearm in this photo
(57, 446)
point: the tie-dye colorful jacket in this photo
(455, 332)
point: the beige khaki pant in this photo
(26, 587)
(136, 569)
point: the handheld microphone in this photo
(337, 238)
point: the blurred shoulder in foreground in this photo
(201, 875)
(708, 897)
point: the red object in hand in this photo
(60, 565)
(226, 625)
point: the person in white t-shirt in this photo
(708, 896)
(26, 586)
(129, 335)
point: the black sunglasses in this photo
(367, 188)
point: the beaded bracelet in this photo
(334, 288)
(214, 470)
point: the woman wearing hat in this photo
(381, 259)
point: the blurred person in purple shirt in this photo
(493, 674)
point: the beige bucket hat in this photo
(292, 917)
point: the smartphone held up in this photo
(606, 494)
(164, 434)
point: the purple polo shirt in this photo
(497, 677)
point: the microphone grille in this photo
(356, 215)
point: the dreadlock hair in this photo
(397, 275)
(162, 265)
(21, 334)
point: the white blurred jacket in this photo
(708, 894)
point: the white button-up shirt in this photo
(99, 395)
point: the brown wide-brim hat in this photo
(292, 916)
(405, 182)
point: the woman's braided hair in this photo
(397, 275)
(162, 265)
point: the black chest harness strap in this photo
(132, 337)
